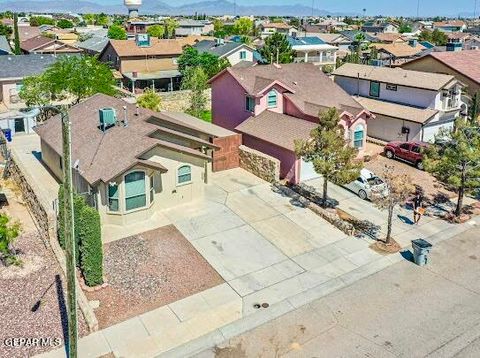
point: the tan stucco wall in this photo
(167, 192)
(51, 160)
(429, 64)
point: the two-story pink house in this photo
(273, 105)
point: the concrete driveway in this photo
(261, 243)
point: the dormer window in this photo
(272, 99)
(249, 104)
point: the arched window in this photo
(272, 99)
(358, 136)
(135, 196)
(184, 174)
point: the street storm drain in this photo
(263, 305)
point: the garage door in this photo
(307, 171)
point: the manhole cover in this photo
(265, 305)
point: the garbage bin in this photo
(421, 249)
(8, 134)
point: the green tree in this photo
(457, 163)
(17, 50)
(35, 92)
(330, 152)
(219, 29)
(64, 24)
(101, 19)
(116, 32)
(243, 26)
(277, 49)
(195, 80)
(170, 26)
(399, 189)
(150, 100)
(210, 63)
(79, 77)
(41, 20)
(404, 27)
(156, 31)
(5, 30)
(89, 19)
(8, 235)
(439, 38)
(91, 249)
(474, 109)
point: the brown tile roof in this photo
(449, 23)
(27, 32)
(277, 25)
(465, 62)
(160, 47)
(35, 42)
(388, 37)
(104, 155)
(309, 89)
(398, 76)
(277, 128)
(400, 49)
(412, 114)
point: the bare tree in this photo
(399, 189)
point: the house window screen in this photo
(375, 89)
(272, 99)
(113, 197)
(358, 136)
(184, 174)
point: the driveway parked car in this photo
(407, 151)
(366, 184)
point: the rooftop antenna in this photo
(364, 12)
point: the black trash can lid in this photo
(423, 244)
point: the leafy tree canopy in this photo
(64, 24)
(116, 32)
(210, 63)
(41, 20)
(156, 31)
(243, 26)
(5, 30)
(195, 80)
(277, 47)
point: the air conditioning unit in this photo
(108, 118)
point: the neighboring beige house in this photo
(280, 27)
(132, 162)
(234, 52)
(408, 105)
(464, 65)
(46, 45)
(147, 62)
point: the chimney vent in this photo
(125, 118)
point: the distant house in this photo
(450, 26)
(146, 62)
(379, 27)
(46, 45)
(408, 105)
(93, 45)
(5, 48)
(272, 27)
(132, 162)
(311, 49)
(464, 65)
(189, 27)
(389, 37)
(326, 25)
(13, 69)
(338, 40)
(28, 32)
(273, 105)
(234, 52)
(353, 35)
(397, 53)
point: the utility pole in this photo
(418, 9)
(69, 234)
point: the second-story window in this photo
(272, 99)
(249, 104)
(243, 55)
(374, 89)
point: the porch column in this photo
(306, 56)
(171, 84)
(133, 86)
(335, 57)
(153, 85)
(321, 56)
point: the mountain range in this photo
(212, 7)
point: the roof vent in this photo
(108, 118)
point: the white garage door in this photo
(307, 171)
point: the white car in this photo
(367, 183)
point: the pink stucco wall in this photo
(228, 102)
(288, 160)
(261, 103)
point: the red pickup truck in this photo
(407, 151)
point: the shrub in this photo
(90, 237)
(8, 234)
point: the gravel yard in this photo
(21, 289)
(147, 271)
